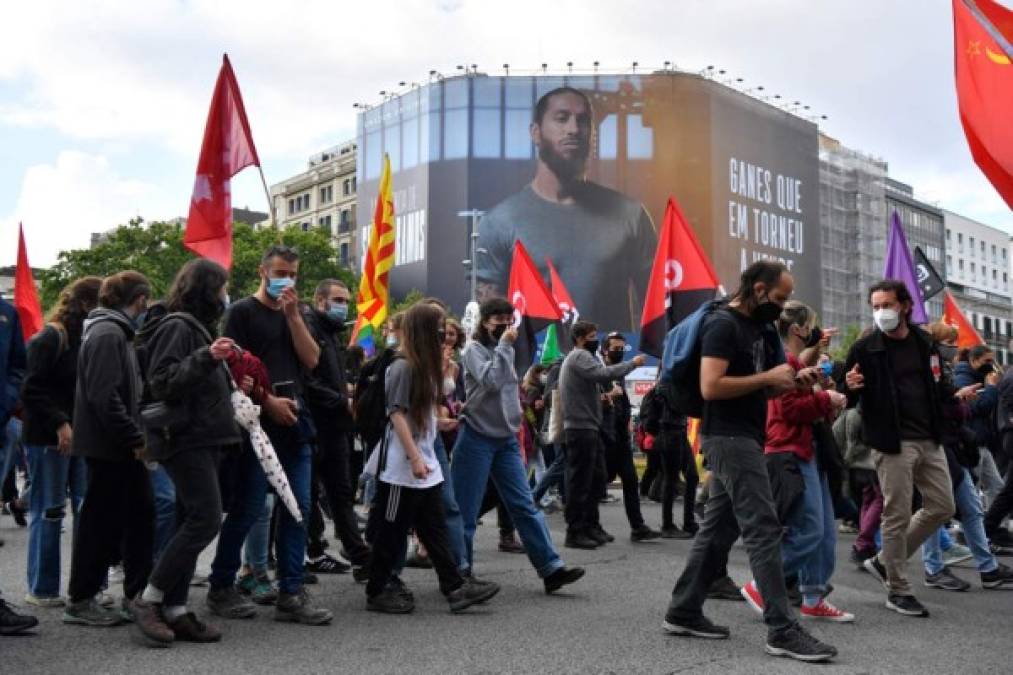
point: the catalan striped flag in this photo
(373, 298)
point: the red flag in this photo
(227, 149)
(967, 336)
(982, 37)
(26, 297)
(682, 278)
(534, 307)
(567, 308)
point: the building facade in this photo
(324, 196)
(978, 271)
(923, 228)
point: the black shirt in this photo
(914, 404)
(47, 392)
(728, 335)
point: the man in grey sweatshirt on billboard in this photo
(582, 391)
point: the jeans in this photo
(476, 456)
(554, 475)
(165, 508)
(259, 539)
(11, 446)
(1001, 507)
(808, 548)
(195, 473)
(248, 504)
(585, 476)
(676, 455)
(619, 462)
(970, 516)
(51, 474)
(740, 497)
(988, 475)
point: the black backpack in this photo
(650, 411)
(370, 400)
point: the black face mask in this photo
(766, 312)
(591, 346)
(815, 335)
(497, 331)
(614, 355)
(985, 368)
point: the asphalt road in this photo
(610, 622)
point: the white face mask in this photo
(886, 319)
(449, 386)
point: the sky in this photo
(103, 104)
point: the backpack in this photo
(650, 412)
(680, 361)
(369, 404)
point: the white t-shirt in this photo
(398, 471)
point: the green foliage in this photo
(413, 296)
(846, 338)
(156, 250)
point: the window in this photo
(639, 139)
(948, 234)
(519, 104)
(970, 242)
(353, 185)
(960, 242)
(291, 206)
(324, 221)
(346, 187)
(343, 254)
(960, 265)
(1005, 282)
(1009, 329)
(326, 194)
(949, 261)
(993, 254)
(983, 250)
(987, 325)
(305, 227)
(455, 119)
(345, 224)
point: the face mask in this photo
(497, 331)
(591, 346)
(337, 312)
(275, 287)
(886, 319)
(815, 335)
(947, 352)
(138, 320)
(985, 368)
(767, 312)
(544, 379)
(615, 355)
(392, 340)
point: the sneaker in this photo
(598, 532)
(724, 589)
(580, 540)
(309, 578)
(1000, 577)
(509, 544)
(673, 532)
(326, 564)
(644, 533)
(956, 554)
(229, 603)
(296, 608)
(700, 627)
(17, 512)
(751, 594)
(90, 613)
(946, 581)
(859, 557)
(150, 628)
(826, 612)
(116, 574)
(399, 587)
(389, 601)
(360, 574)
(12, 623)
(47, 603)
(1001, 537)
(907, 605)
(188, 628)
(126, 610)
(259, 588)
(562, 577)
(794, 642)
(105, 599)
(847, 528)
(876, 569)
(470, 593)
(1001, 550)
(608, 499)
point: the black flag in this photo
(928, 279)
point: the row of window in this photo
(974, 278)
(326, 196)
(990, 326)
(997, 251)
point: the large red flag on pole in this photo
(682, 278)
(967, 335)
(26, 297)
(227, 149)
(534, 307)
(983, 56)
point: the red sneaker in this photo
(752, 595)
(827, 612)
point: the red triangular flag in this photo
(567, 308)
(682, 278)
(227, 149)
(982, 35)
(26, 296)
(534, 307)
(967, 336)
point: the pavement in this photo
(609, 622)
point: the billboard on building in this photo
(591, 194)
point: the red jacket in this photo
(790, 418)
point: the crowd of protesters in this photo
(129, 410)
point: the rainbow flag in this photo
(372, 300)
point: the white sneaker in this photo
(44, 602)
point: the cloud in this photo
(61, 204)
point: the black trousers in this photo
(619, 462)
(332, 472)
(491, 500)
(677, 456)
(396, 510)
(652, 471)
(194, 472)
(117, 518)
(585, 476)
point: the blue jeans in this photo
(247, 507)
(11, 437)
(971, 517)
(553, 475)
(258, 541)
(165, 508)
(475, 457)
(810, 539)
(51, 474)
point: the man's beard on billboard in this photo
(566, 170)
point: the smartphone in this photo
(284, 389)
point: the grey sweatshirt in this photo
(578, 387)
(493, 403)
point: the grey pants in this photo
(740, 503)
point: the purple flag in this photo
(900, 267)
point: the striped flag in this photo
(373, 298)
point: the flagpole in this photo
(267, 193)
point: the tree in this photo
(156, 250)
(848, 337)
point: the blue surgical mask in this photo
(338, 312)
(275, 287)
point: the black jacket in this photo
(108, 391)
(180, 371)
(47, 394)
(983, 417)
(880, 416)
(1004, 410)
(327, 385)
